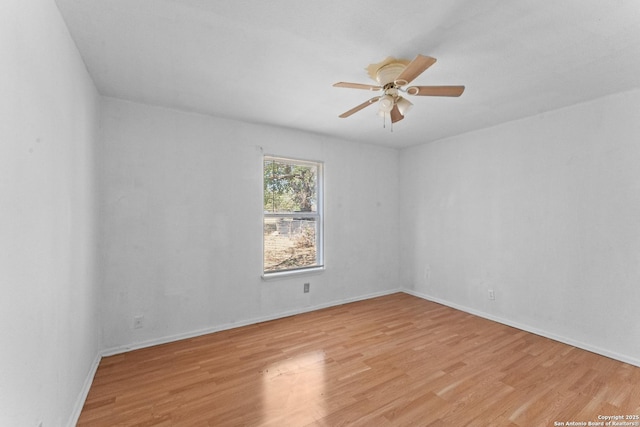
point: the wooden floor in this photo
(390, 361)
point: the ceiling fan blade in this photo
(414, 69)
(359, 107)
(357, 86)
(435, 90)
(396, 116)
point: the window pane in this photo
(292, 228)
(290, 187)
(290, 243)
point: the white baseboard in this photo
(594, 349)
(164, 340)
(84, 392)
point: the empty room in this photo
(287, 213)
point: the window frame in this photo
(318, 215)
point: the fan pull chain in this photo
(384, 122)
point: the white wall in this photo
(181, 198)
(545, 211)
(49, 327)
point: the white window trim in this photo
(319, 214)
(292, 273)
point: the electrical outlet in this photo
(138, 321)
(492, 295)
(306, 288)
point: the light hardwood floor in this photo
(390, 361)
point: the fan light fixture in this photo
(386, 103)
(404, 105)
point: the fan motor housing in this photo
(388, 73)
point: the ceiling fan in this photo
(391, 75)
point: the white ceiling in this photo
(274, 61)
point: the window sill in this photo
(292, 273)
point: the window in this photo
(292, 228)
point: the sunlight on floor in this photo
(294, 387)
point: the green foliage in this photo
(289, 187)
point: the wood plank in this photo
(393, 360)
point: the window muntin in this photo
(292, 223)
